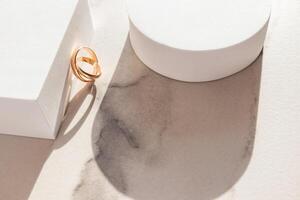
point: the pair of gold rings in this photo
(91, 59)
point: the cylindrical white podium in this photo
(198, 40)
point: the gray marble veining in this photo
(157, 138)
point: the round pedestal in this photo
(198, 40)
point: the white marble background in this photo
(155, 138)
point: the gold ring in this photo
(91, 60)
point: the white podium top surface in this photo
(31, 33)
(199, 24)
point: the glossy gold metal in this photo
(91, 60)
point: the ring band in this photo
(91, 60)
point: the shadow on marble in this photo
(67, 129)
(22, 159)
(157, 138)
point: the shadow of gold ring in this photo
(91, 60)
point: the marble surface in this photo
(156, 138)
(140, 136)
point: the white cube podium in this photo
(37, 39)
(198, 40)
